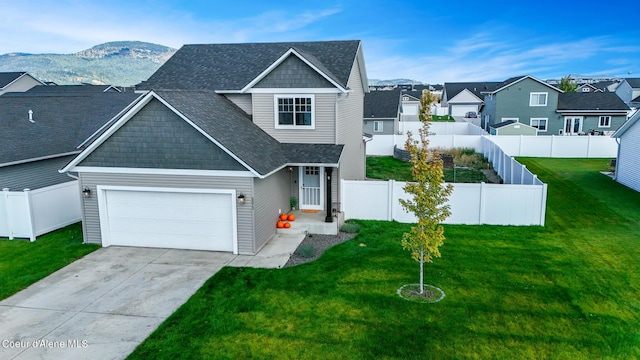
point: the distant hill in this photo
(378, 82)
(122, 63)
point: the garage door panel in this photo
(461, 110)
(168, 219)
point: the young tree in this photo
(567, 85)
(428, 195)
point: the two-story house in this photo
(225, 136)
(551, 111)
(382, 110)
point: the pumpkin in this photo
(287, 225)
(283, 217)
(280, 225)
(291, 217)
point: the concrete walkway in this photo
(105, 304)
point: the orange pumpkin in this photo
(291, 217)
(287, 225)
(280, 225)
(283, 217)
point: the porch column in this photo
(329, 217)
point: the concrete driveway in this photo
(105, 304)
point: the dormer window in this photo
(294, 111)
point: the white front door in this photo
(572, 125)
(311, 187)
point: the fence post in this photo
(522, 174)
(543, 205)
(511, 176)
(553, 139)
(390, 194)
(481, 205)
(453, 140)
(535, 177)
(7, 206)
(588, 146)
(32, 223)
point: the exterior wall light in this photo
(241, 199)
(86, 192)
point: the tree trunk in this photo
(421, 271)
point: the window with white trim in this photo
(293, 111)
(605, 121)
(539, 123)
(378, 126)
(538, 98)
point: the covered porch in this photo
(313, 223)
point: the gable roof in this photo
(60, 123)
(516, 79)
(477, 88)
(591, 101)
(627, 125)
(61, 89)
(234, 66)
(634, 82)
(7, 78)
(382, 104)
(221, 121)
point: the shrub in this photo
(350, 228)
(306, 251)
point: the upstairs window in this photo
(294, 111)
(378, 126)
(538, 99)
(605, 122)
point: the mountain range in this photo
(121, 63)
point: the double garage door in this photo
(168, 218)
(461, 110)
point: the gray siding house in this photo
(628, 161)
(224, 137)
(382, 112)
(40, 134)
(589, 113)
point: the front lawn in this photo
(22, 263)
(570, 290)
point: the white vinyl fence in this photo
(471, 204)
(31, 213)
(520, 200)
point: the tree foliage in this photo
(429, 195)
(567, 85)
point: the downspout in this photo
(615, 171)
(339, 98)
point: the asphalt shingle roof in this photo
(233, 66)
(634, 82)
(233, 129)
(382, 104)
(7, 78)
(590, 101)
(502, 124)
(453, 89)
(61, 123)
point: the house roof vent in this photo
(31, 116)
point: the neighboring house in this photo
(512, 127)
(621, 87)
(627, 170)
(227, 134)
(17, 82)
(382, 112)
(523, 99)
(85, 88)
(587, 88)
(581, 113)
(461, 98)
(39, 135)
(634, 83)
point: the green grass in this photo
(388, 167)
(445, 118)
(570, 290)
(22, 263)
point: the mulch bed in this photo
(320, 243)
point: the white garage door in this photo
(167, 218)
(460, 110)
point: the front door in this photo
(311, 187)
(572, 125)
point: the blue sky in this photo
(429, 41)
